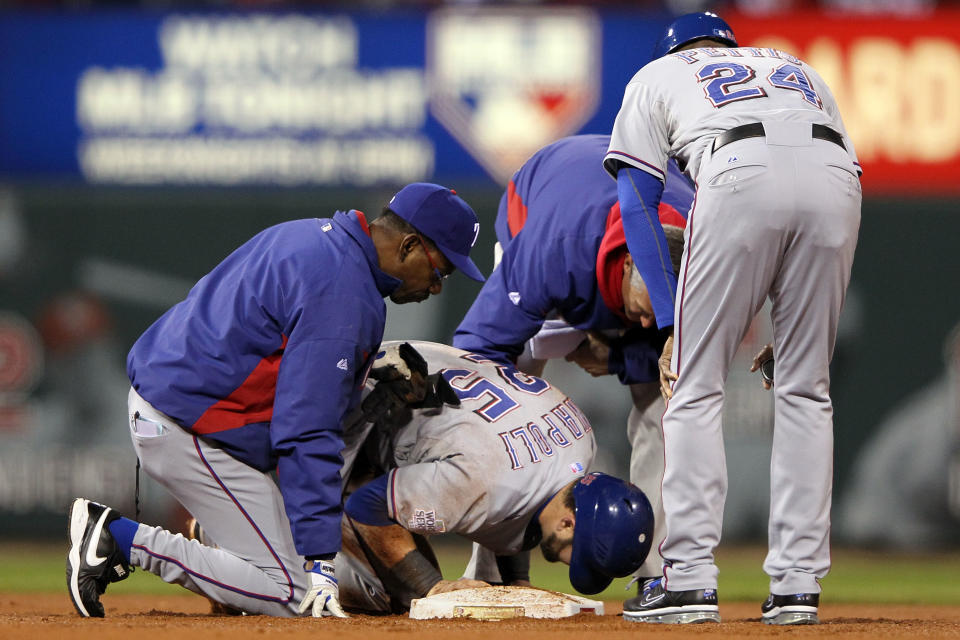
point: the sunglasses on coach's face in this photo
(440, 277)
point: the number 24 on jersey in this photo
(723, 83)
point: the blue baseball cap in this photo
(613, 531)
(441, 215)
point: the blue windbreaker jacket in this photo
(267, 354)
(550, 224)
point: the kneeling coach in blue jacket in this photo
(567, 287)
(254, 372)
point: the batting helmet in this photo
(694, 26)
(612, 534)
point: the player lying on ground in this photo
(502, 466)
(491, 454)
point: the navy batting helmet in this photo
(694, 26)
(612, 534)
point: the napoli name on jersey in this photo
(484, 469)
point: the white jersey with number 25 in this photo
(483, 470)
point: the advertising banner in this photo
(897, 82)
(304, 99)
(456, 94)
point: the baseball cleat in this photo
(642, 585)
(94, 559)
(798, 608)
(658, 605)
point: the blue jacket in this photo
(267, 354)
(556, 212)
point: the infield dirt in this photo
(51, 616)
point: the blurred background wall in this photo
(141, 143)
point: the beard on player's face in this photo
(552, 546)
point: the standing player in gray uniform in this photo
(505, 469)
(777, 214)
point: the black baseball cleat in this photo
(658, 605)
(95, 559)
(642, 585)
(798, 608)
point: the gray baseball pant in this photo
(778, 220)
(255, 567)
(646, 462)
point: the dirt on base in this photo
(47, 617)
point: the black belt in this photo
(755, 130)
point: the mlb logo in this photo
(505, 82)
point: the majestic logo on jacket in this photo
(506, 81)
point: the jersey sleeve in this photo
(306, 434)
(442, 496)
(319, 381)
(639, 193)
(513, 303)
(639, 137)
(639, 143)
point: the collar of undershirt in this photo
(362, 219)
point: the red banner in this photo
(897, 81)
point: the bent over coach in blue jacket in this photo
(564, 252)
(254, 372)
(565, 272)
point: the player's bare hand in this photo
(593, 354)
(667, 376)
(760, 361)
(446, 586)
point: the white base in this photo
(499, 603)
